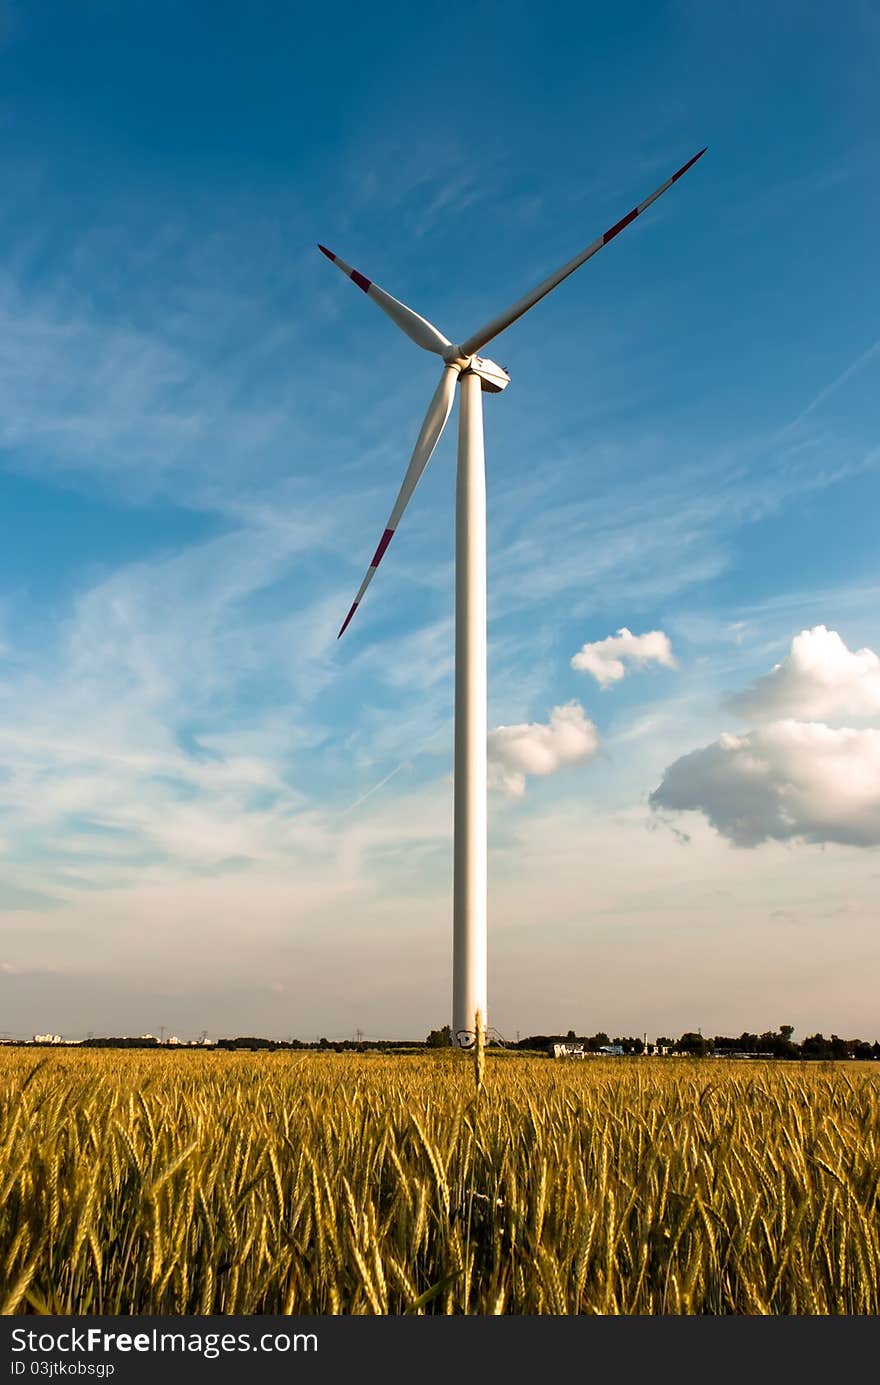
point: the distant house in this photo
(612, 1050)
(568, 1051)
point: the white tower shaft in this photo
(470, 887)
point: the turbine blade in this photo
(429, 435)
(422, 332)
(503, 321)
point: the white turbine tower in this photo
(474, 374)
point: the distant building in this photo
(612, 1050)
(48, 1039)
(568, 1051)
(737, 1053)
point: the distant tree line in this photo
(322, 1045)
(771, 1044)
(781, 1045)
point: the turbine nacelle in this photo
(493, 377)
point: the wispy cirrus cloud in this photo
(651, 536)
(142, 735)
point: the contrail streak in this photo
(835, 384)
(404, 764)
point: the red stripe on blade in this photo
(347, 619)
(361, 281)
(690, 163)
(383, 544)
(615, 230)
(329, 253)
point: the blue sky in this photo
(212, 814)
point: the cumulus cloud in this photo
(787, 781)
(608, 660)
(819, 678)
(569, 738)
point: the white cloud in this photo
(820, 677)
(569, 738)
(788, 781)
(607, 659)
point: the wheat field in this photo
(206, 1182)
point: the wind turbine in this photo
(473, 373)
